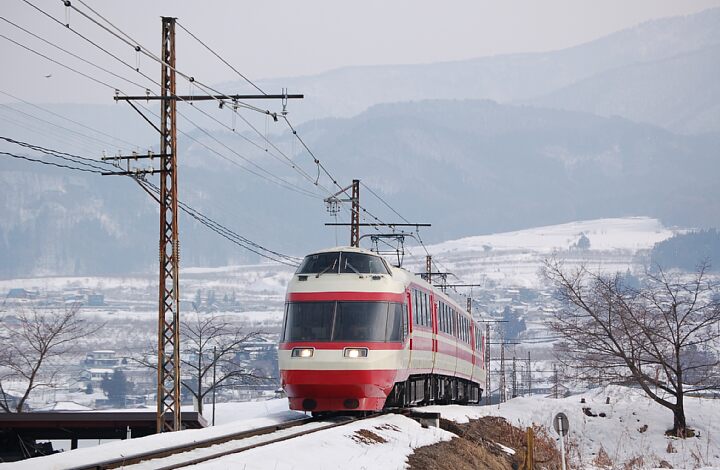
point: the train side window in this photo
(412, 306)
(444, 315)
(441, 316)
(426, 310)
(395, 328)
(284, 327)
(417, 308)
(406, 328)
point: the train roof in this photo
(400, 274)
(346, 249)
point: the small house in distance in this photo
(95, 300)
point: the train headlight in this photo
(355, 352)
(302, 352)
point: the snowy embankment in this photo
(633, 428)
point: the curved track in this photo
(172, 457)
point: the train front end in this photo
(343, 344)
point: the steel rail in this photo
(132, 459)
(144, 457)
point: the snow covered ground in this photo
(633, 428)
(512, 259)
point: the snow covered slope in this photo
(513, 258)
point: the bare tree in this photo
(662, 336)
(213, 343)
(32, 342)
(211, 346)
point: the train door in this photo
(408, 347)
(434, 324)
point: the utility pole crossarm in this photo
(206, 97)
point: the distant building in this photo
(96, 374)
(19, 293)
(103, 358)
(95, 300)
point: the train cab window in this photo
(309, 321)
(361, 321)
(320, 263)
(362, 263)
(345, 321)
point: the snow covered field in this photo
(512, 259)
(633, 428)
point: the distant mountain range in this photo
(677, 55)
(626, 125)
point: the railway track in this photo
(209, 449)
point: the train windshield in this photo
(345, 262)
(344, 321)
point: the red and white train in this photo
(361, 335)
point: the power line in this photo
(59, 165)
(280, 181)
(67, 26)
(221, 59)
(383, 201)
(72, 54)
(56, 125)
(194, 213)
(141, 48)
(68, 119)
(62, 155)
(58, 63)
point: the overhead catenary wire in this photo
(72, 54)
(88, 40)
(195, 214)
(127, 39)
(221, 59)
(100, 82)
(66, 129)
(271, 177)
(131, 42)
(59, 165)
(89, 162)
(45, 132)
(68, 119)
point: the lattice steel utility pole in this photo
(168, 377)
(168, 367)
(529, 375)
(502, 390)
(428, 268)
(355, 215)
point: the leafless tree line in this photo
(662, 336)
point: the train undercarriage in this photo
(427, 389)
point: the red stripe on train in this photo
(320, 345)
(345, 296)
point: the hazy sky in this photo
(288, 38)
